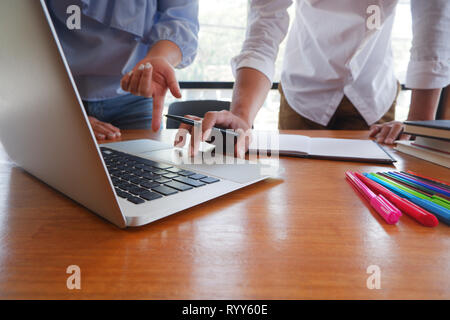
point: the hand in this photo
(151, 78)
(388, 132)
(103, 130)
(222, 119)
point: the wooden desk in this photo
(307, 236)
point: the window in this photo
(222, 31)
(401, 45)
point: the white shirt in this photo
(332, 50)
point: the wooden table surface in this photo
(302, 235)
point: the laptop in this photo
(44, 129)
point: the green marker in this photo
(442, 201)
(413, 192)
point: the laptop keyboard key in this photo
(126, 176)
(149, 176)
(149, 196)
(115, 180)
(137, 190)
(170, 175)
(197, 176)
(125, 185)
(191, 182)
(167, 191)
(149, 169)
(161, 172)
(136, 180)
(149, 184)
(178, 185)
(147, 162)
(186, 173)
(162, 180)
(210, 180)
(161, 166)
(122, 194)
(135, 200)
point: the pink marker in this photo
(385, 209)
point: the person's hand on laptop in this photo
(151, 78)
(103, 130)
(388, 132)
(222, 119)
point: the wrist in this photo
(151, 58)
(244, 116)
(420, 116)
(167, 51)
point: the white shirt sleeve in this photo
(268, 23)
(429, 66)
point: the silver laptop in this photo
(45, 130)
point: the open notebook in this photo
(322, 148)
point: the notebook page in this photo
(346, 148)
(284, 143)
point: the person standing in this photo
(123, 57)
(338, 66)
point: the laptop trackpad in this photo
(138, 146)
(240, 172)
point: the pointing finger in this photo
(135, 80)
(145, 84)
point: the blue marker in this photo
(441, 213)
(427, 186)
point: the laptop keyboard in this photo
(139, 180)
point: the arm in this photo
(250, 91)
(175, 45)
(445, 113)
(424, 103)
(253, 69)
(429, 67)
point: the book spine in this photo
(424, 155)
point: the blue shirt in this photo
(116, 34)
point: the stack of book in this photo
(432, 141)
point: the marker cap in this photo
(388, 213)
